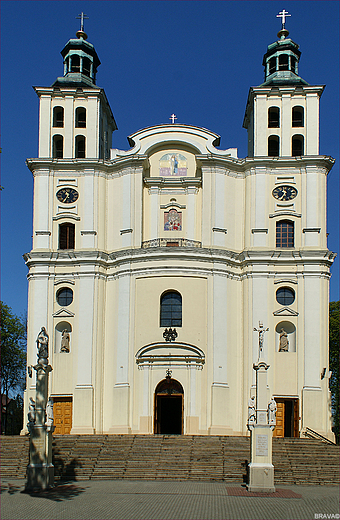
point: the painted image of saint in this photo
(172, 220)
(173, 165)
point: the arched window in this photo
(58, 117)
(283, 62)
(86, 67)
(273, 145)
(75, 63)
(297, 145)
(80, 117)
(273, 117)
(272, 65)
(58, 147)
(293, 64)
(285, 296)
(285, 233)
(80, 147)
(65, 296)
(66, 236)
(297, 116)
(171, 309)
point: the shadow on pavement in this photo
(59, 493)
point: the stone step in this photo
(217, 458)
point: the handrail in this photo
(315, 435)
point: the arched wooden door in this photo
(168, 417)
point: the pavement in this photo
(168, 500)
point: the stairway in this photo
(174, 457)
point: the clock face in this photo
(285, 192)
(67, 195)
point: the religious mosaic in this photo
(172, 220)
(173, 164)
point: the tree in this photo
(334, 330)
(13, 360)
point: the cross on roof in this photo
(172, 117)
(82, 17)
(283, 14)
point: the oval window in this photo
(65, 297)
(285, 296)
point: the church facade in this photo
(151, 267)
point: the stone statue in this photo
(42, 345)
(31, 413)
(65, 341)
(284, 343)
(261, 330)
(272, 412)
(251, 412)
(49, 415)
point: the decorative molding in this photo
(128, 230)
(65, 215)
(311, 230)
(285, 214)
(220, 230)
(180, 182)
(286, 280)
(88, 232)
(64, 280)
(67, 209)
(173, 204)
(43, 233)
(259, 230)
(63, 313)
(285, 311)
(174, 354)
(65, 182)
(285, 179)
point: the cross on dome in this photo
(172, 117)
(283, 14)
(82, 17)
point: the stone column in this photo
(261, 422)
(40, 470)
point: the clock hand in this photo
(66, 196)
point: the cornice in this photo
(218, 259)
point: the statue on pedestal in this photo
(31, 413)
(49, 415)
(42, 346)
(272, 408)
(284, 343)
(65, 341)
(251, 413)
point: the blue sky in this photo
(194, 58)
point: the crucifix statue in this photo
(172, 117)
(283, 14)
(261, 330)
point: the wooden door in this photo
(296, 418)
(62, 410)
(279, 430)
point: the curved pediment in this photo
(170, 354)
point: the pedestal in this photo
(261, 469)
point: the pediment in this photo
(170, 354)
(63, 313)
(285, 311)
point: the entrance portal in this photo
(287, 418)
(169, 407)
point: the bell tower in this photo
(75, 120)
(282, 114)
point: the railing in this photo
(171, 242)
(311, 434)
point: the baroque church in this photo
(151, 267)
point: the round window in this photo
(285, 296)
(65, 296)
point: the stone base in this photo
(261, 478)
(39, 477)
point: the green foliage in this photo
(334, 331)
(13, 359)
